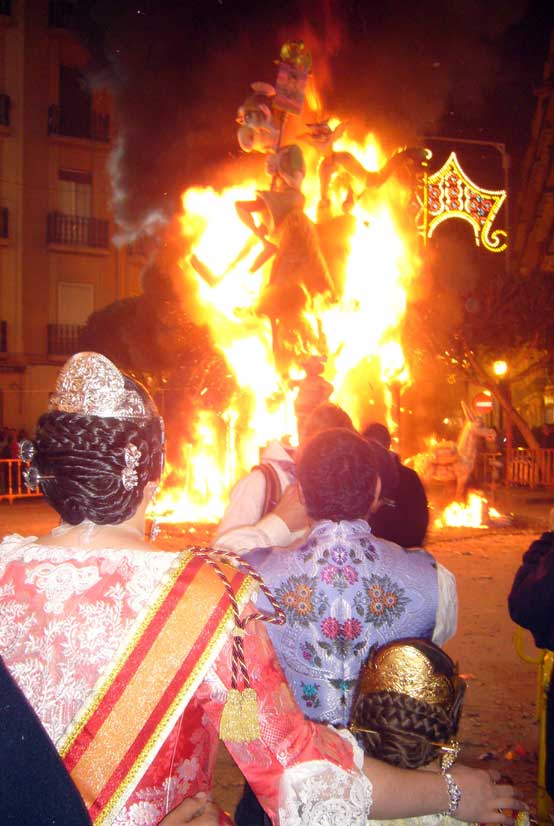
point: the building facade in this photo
(533, 237)
(57, 260)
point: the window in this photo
(75, 303)
(75, 103)
(74, 192)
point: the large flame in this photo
(475, 513)
(362, 327)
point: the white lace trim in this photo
(319, 793)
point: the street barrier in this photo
(12, 485)
(530, 468)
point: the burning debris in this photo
(475, 513)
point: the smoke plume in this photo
(178, 71)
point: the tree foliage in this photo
(472, 309)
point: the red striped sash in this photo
(115, 738)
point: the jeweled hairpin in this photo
(450, 749)
(129, 476)
(33, 478)
(27, 450)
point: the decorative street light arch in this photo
(450, 193)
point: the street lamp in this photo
(500, 368)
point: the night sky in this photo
(178, 71)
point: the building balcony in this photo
(61, 13)
(6, 7)
(75, 230)
(5, 106)
(4, 222)
(94, 127)
(3, 336)
(63, 339)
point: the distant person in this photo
(546, 438)
(531, 605)
(264, 509)
(13, 446)
(6, 445)
(403, 512)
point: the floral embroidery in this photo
(310, 694)
(351, 628)
(57, 658)
(60, 582)
(386, 600)
(339, 554)
(331, 627)
(296, 597)
(344, 687)
(310, 654)
(339, 578)
(342, 635)
(361, 591)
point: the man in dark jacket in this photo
(531, 605)
(403, 515)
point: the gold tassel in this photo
(239, 719)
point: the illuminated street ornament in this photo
(449, 193)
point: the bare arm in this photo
(399, 793)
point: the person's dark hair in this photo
(336, 473)
(386, 465)
(325, 416)
(86, 455)
(377, 432)
(402, 730)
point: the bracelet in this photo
(454, 794)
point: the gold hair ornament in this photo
(406, 670)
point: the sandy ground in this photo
(499, 729)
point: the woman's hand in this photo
(197, 810)
(483, 799)
(401, 793)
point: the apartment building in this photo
(57, 259)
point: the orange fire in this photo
(362, 327)
(475, 513)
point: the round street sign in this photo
(482, 403)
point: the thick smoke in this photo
(178, 71)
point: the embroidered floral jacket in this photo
(343, 591)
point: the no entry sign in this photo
(482, 403)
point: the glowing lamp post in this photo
(500, 370)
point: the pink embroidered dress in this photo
(68, 614)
